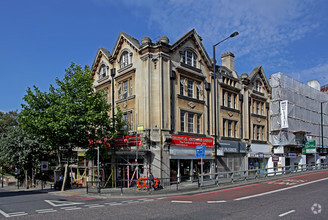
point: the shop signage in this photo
(190, 141)
(309, 150)
(232, 147)
(275, 158)
(292, 155)
(260, 155)
(128, 141)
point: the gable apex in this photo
(198, 41)
(124, 36)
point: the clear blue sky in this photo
(39, 39)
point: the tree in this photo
(20, 149)
(68, 116)
(8, 120)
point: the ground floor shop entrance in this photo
(189, 169)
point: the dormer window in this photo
(125, 61)
(103, 72)
(189, 58)
(258, 86)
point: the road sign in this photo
(44, 165)
(311, 143)
(200, 151)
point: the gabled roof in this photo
(132, 41)
(197, 39)
(101, 51)
(259, 71)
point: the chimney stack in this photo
(228, 60)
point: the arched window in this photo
(125, 61)
(189, 58)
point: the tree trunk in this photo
(26, 179)
(65, 177)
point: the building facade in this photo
(165, 92)
(299, 131)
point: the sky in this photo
(39, 39)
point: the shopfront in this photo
(234, 158)
(184, 165)
(258, 156)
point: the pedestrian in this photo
(150, 180)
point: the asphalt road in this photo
(303, 197)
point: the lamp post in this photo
(215, 101)
(322, 124)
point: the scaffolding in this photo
(307, 112)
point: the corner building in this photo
(165, 93)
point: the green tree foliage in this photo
(19, 149)
(8, 120)
(70, 114)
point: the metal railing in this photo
(189, 183)
(244, 175)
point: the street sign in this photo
(44, 165)
(200, 151)
(311, 143)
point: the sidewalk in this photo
(184, 189)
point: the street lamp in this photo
(322, 124)
(215, 103)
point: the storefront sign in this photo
(128, 141)
(232, 147)
(275, 158)
(292, 155)
(260, 155)
(309, 150)
(190, 141)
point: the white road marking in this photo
(177, 201)
(57, 203)
(71, 208)
(216, 201)
(4, 214)
(13, 214)
(113, 203)
(279, 190)
(286, 213)
(95, 206)
(148, 200)
(45, 210)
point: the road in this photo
(301, 197)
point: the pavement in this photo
(118, 193)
